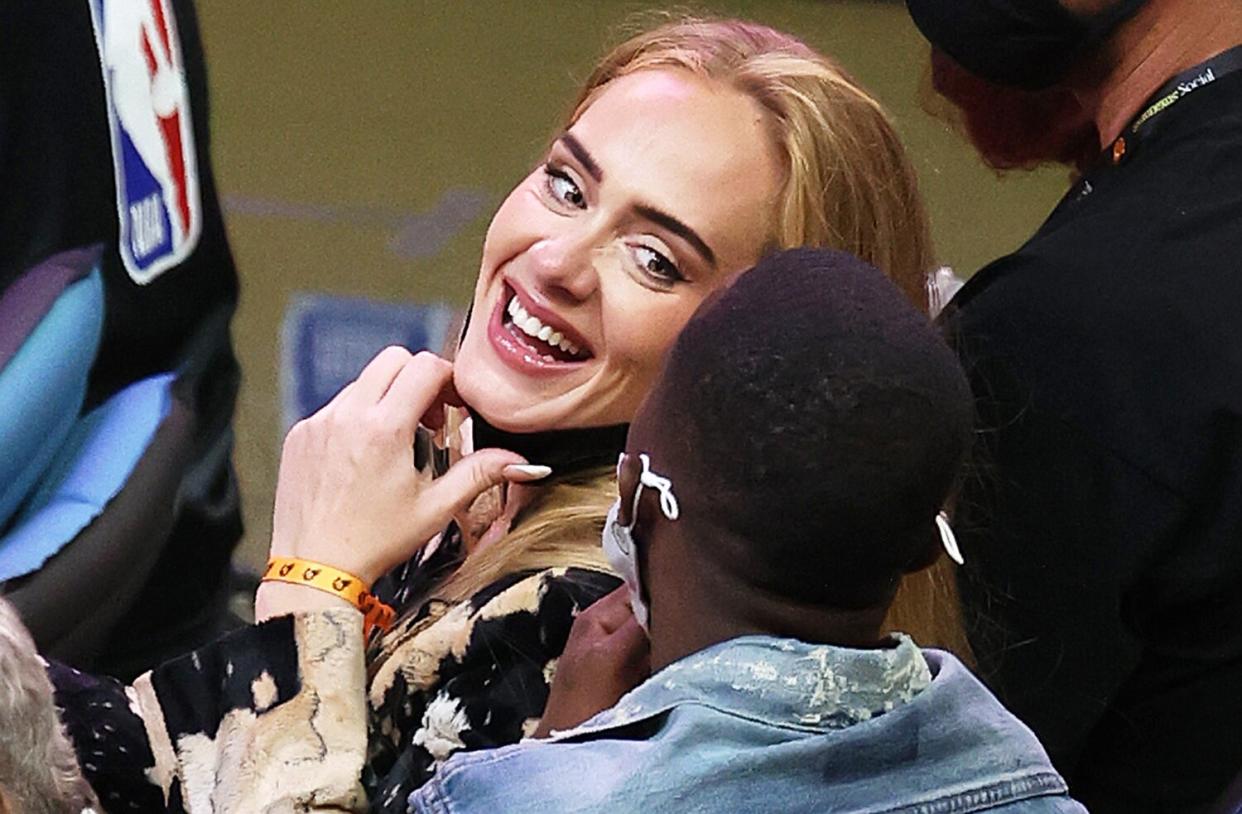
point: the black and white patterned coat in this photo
(296, 714)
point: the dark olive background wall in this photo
(361, 146)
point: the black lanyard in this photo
(1149, 117)
(1173, 91)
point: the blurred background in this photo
(360, 149)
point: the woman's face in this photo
(662, 191)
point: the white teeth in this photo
(531, 326)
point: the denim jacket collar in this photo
(765, 724)
(783, 682)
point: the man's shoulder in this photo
(1131, 275)
(1128, 238)
(1119, 317)
(969, 749)
(535, 776)
(961, 723)
(967, 741)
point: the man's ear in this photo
(629, 471)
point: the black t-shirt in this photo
(66, 137)
(1102, 526)
(58, 185)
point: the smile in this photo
(533, 340)
(534, 329)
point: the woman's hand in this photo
(606, 656)
(348, 494)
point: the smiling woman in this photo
(636, 214)
(694, 149)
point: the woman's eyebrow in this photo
(661, 218)
(583, 155)
(678, 228)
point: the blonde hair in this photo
(848, 184)
(561, 528)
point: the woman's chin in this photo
(533, 406)
(530, 406)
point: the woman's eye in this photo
(657, 265)
(563, 188)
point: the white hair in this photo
(39, 772)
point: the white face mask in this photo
(948, 539)
(619, 545)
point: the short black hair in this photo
(813, 422)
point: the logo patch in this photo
(152, 134)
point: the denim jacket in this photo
(767, 724)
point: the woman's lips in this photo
(560, 333)
(532, 345)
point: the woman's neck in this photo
(567, 451)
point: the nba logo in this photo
(152, 134)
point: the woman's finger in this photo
(416, 388)
(375, 379)
(450, 395)
(470, 477)
(436, 415)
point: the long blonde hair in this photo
(847, 184)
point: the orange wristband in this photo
(334, 581)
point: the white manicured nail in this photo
(527, 471)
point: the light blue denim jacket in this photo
(761, 724)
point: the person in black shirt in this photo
(1103, 531)
(104, 142)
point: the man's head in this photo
(1005, 66)
(39, 773)
(812, 424)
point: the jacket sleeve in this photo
(271, 717)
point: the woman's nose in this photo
(564, 268)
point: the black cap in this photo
(1028, 44)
